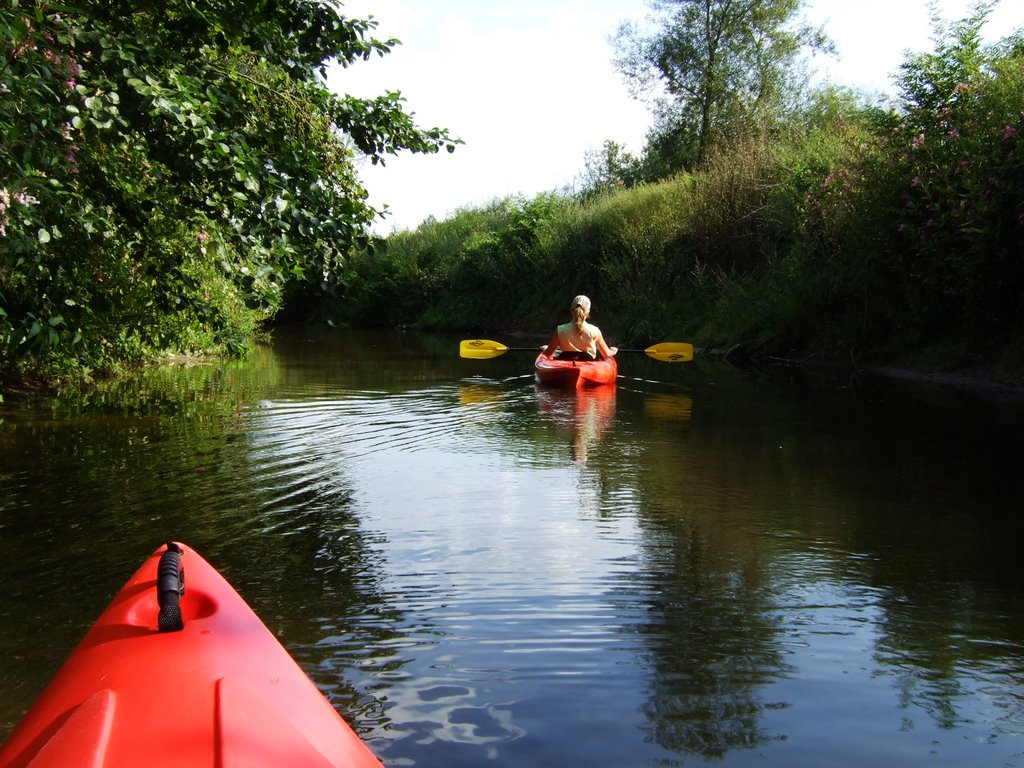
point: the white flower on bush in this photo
(6, 200)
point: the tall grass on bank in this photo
(712, 255)
(622, 249)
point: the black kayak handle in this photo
(170, 586)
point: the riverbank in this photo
(980, 380)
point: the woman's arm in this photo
(603, 347)
(549, 350)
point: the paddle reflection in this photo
(487, 394)
(585, 414)
(665, 406)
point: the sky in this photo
(530, 86)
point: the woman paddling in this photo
(578, 340)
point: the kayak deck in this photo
(575, 373)
(220, 691)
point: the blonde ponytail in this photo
(580, 308)
(579, 316)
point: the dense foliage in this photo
(173, 172)
(849, 230)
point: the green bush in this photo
(959, 160)
(173, 175)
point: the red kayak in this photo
(177, 673)
(575, 373)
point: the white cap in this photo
(581, 301)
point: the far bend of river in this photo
(701, 566)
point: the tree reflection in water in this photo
(712, 639)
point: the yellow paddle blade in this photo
(671, 352)
(481, 349)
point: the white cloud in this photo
(873, 36)
(528, 86)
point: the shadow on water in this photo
(695, 566)
(902, 499)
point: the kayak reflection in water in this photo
(585, 414)
(578, 339)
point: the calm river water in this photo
(699, 566)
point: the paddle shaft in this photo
(542, 347)
(485, 349)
